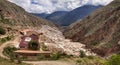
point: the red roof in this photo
(23, 43)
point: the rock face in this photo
(100, 31)
(13, 15)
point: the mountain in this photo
(77, 14)
(53, 17)
(42, 15)
(100, 31)
(65, 18)
(14, 16)
(56, 16)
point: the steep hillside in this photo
(100, 31)
(13, 15)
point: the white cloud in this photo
(49, 6)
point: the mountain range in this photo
(65, 18)
(100, 31)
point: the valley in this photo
(87, 39)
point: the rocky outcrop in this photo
(100, 31)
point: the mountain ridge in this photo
(99, 31)
(13, 15)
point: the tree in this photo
(33, 45)
(82, 54)
(2, 31)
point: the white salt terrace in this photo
(70, 48)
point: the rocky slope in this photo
(14, 16)
(100, 31)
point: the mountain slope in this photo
(13, 15)
(100, 31)
(56, 16)
(77, 14)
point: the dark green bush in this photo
(33, 45)
(82, 54)
(3, 40)
(2, 31)
(95, 42)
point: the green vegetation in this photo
(82, 54)
(94, 60)
(90, 61)
(114, 60)
(44, 47)
(5, 39)
(33, 45)
(95, 42)
(55, 56)
(9, 52)
(2, 31)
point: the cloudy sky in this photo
(49, 6)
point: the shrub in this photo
(9, 52)
(44, 47)
(95, 42)
(54, 56)
(33, 45)
(5, 39)
(2, 31)
(114, 60)
(82, 54)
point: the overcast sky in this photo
(49, 6)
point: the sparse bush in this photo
(9, 52)
(33, 45)
(54, 56)
(82, 54)
(114, 60)
(95, 42)
(44, 47)
(5, 39)
(2, 31)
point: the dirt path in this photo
(49, 62)
(14, 42)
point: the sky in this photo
(49, 6)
